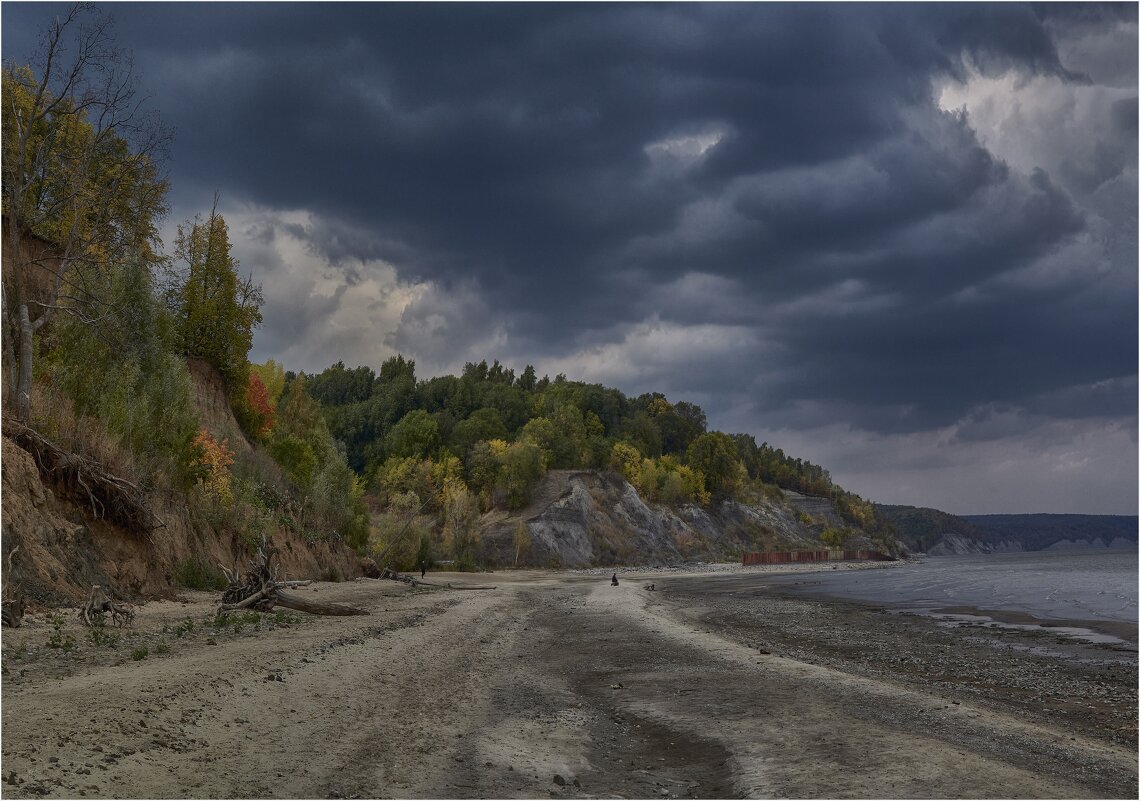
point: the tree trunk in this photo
(24, 375)
(290, 601)
(8, 334)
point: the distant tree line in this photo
(486, 437)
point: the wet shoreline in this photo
(1039, 672)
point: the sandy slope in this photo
(552, 685)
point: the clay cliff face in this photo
(587, 518)
(64, 549)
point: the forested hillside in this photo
(103, 322)
(926, 530)
(457, 447)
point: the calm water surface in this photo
(1049, 585)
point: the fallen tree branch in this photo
(387, 573)
(260, 589)
(245, 603)
(290, 601)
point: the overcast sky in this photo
(899, 241)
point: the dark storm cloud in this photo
(766, 206)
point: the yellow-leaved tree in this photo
(82, 192)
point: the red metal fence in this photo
(786, 557)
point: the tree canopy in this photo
(82, 189)
(216, 311)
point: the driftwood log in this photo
(394, 575)
(388, 573)
(13, 594)
(260, 589)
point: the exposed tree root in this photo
(85, 481)
(13, 594)
(99, 605)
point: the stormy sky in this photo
(899, 241)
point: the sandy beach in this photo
(559, 685)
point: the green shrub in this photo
(197, 574)
(98, 635)
(57, 639)
(182, 628)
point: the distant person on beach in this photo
(613, 581)
(423, 569)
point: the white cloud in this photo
(655, 353)
(316, 313)
(1042, 122)
(682, 151)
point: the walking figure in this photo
(423, 569)
(614, 581)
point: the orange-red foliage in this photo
(263, 414)
(216, 458)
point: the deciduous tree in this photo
(714, 455)
(81, 187)
(262, 414)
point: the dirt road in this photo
(551, 685)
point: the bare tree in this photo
(81, 184)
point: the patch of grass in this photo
(162, 647)
(139, 654)
(98, 635)
(197, 574)
(237, 619)
(180, 630)
(283, 618)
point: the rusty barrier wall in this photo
(788, 557)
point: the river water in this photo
(1071, 587)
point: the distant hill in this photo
(931, 531)
(1036, 532)
(935, 532)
